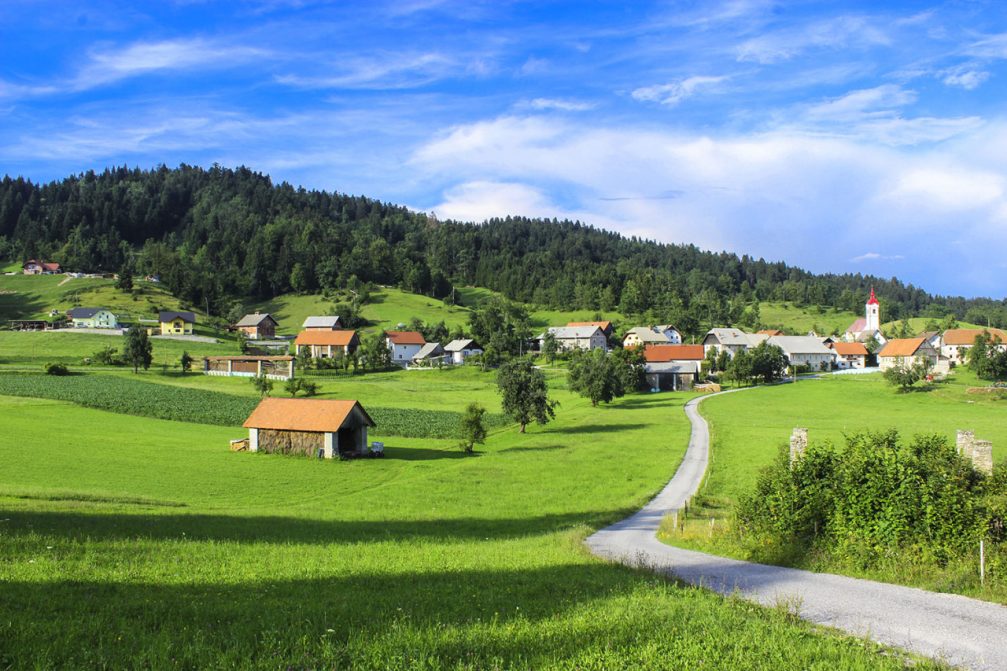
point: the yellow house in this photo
(176, 323)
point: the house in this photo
(673, 335)
(955, 343)
(321, 323)
(575, 337)
(671, 375)
(250, 365)
(176, 323)
(308, 427)
(459, 350)
(646, 336)
(404, 345)
(257, 326)
(869, 326)
(673, 353)
(605, 326)
(36, 267)
(771, 332)
(321, 344)
(731, 340)
(907, 351)
(430, 353)
(849, 354)
(805, 351)
(92, 318)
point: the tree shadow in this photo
(539, 448)
(425, 454)
(19, 306)
(595, 428)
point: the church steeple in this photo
(873, 313)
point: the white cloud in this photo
(966, 77)
(838, 33)
(875, 256)
(387, 71)
(675, 92)
(874, 102)
(544, 104)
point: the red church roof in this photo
(873, 300)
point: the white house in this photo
(955, 343)
(731, 340)
(805, 351)
(669, 331)
(92, 318)
(646, 336)
(459, 350)
(575, 337)
(404, 345)
(849, 354)
(907, 351)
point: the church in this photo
(869, 326)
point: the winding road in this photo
(962, 631)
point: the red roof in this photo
(302, 414)
(335, 338)
(604, 326)
(406, 337)
(901, 347)
(849, 348)
(665, 353)
(873, 299)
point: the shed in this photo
(672, 375)
(250, 365)
(308, 427)
(429, 353)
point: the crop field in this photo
(131, 541)
(34, 349)
(750, 428)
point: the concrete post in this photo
(798, 443)
(253, 440)
(330, 439)
(982, 456)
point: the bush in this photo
(56, 369)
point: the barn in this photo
(308, 427)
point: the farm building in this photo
(430, 353)
(849, 354)
(323, 323)
(92, 318)
(459, 350)
(36, 267)
(308, 427)
(404, 345)
(907, 351)
(673, 353)
(805, 351)
(671, 375)
(249, 365)
(324, 344)
(257, 326)
(955, 343)
(176, 323)
(575, 337)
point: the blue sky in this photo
(864, 137)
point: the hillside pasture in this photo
(800, 320)
(134, 542)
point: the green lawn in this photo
(799, 320)
(135, 542)
(751, 427)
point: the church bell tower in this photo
(873, 313)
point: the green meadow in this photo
(750, 428)
(801, 320)
(129, 541)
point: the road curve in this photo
(962, 631)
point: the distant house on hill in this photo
(605, 326)
(308, 427)
(849, 354)
(646, 336)
(955, 343)
(430, 353)
(257, 326)
(36, 267)
(404, 345)
(459, 350)
(575, 337)
(324, 344)
(92, 318)
(670, 332)
(731, 340)
(322, 323)
(176, 323)
(907, 351)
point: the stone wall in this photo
(979, 452)
(798, 443)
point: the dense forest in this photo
(216, 235)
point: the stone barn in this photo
(308, 427)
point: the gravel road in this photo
(959, 630)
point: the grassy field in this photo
(136, 542)
(34, 349)
(918, 324)
(750, 428)
(800, 320)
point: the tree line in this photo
(216, 235)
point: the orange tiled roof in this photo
(901, 347)
(302, 414)
(968, 336)
(849, 348)
(406, 337)
(663, 353)
(334, 338)
(604, 326)
(771, 332)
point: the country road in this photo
(962, 631)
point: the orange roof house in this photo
(849, 348)
(323, 344)
(308, 427)
(405, 337)
(907, 350)
(967, 337)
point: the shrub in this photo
(56, 369)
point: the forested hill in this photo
(219, 234)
